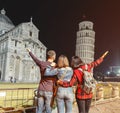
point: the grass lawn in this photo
(18, 85)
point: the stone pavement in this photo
(105, 106)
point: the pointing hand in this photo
(28, 49)
(104, 54)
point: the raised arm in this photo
(36, 60)
(98, 61)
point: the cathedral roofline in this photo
(31, 24)
(18, 26)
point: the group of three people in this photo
(66, 76)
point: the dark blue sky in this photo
(58, 22)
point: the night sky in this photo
(58, 22)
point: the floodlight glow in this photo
(108, 72)
(119, 71)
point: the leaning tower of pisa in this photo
(85, 41)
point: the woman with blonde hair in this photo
(64, 95)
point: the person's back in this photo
(45, 88)
(64, 95)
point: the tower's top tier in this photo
(86, 25)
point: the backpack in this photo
(89, 83)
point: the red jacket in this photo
(78, 77)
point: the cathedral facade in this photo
(15, 62)
(85, 42)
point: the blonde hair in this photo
(62, 61)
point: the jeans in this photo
(64, 99)
(44, 102)
(83, 105)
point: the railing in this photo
(22, 99)
(16, 98)
(104, 91)
(104, 96)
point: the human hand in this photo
(104, 54)
(28, 49)
(59, 82)
(53, 64)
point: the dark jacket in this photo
(46, 83)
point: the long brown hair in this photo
(76, 62)
(62, 61)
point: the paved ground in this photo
(111, 105)
(107, 106)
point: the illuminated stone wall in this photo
(15, 61)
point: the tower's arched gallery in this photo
(85, 41)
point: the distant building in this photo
(114, 70)
(85, 41)
(15, 62)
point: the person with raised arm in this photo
(46, 84)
